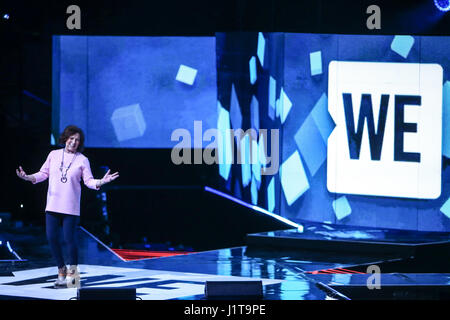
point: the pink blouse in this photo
(65, 197)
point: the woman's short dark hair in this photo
(70, 131)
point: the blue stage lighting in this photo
(6, 16)
(442, 5)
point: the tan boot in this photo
(73, 277)
(62, 274)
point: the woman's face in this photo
(73, 142)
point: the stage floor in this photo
(285, 274)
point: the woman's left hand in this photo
(109, 177)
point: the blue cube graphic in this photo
(252, 67)
(271, 195)
(316, 62)
(272, 98)
(446, 119)
(311, 145)
(402, 45)
(293, 178)
(128, 122)
(322, 118)
(261, 48)
(286, 105)
(254, 191)
(278, 107)
(341, 207)
(445, 209)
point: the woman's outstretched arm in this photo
(38, 176)
(107, 178)
(22, 175)
(92, 183)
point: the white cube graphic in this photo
(341, 207)
(388, 135)
(186, 74)
(402, 45)
(315, 59)
(128, 122)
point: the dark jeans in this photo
(54, 222)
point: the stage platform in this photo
(294, 273)
(359, 240)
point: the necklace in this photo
(61, 168)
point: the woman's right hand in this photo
(21, 174)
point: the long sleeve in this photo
(65, 196)
(88, 178)
(43, 173)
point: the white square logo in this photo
(388, 135)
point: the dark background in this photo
(26, 91)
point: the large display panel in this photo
(368, 132)
(362, 121)
(133, 92)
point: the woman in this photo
(65, 168)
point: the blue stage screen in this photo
(133, 92)
(370, 128)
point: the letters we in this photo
(388, 134)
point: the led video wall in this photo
(249, 116)
(133, 92)
(368, 131)
(364, 129)
(343, 129)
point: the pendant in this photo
(63, 179)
